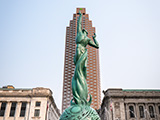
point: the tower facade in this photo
(93, 71)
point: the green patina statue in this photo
(80, 108)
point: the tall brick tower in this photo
(93, 72)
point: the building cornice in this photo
(131, 93)
(35, 92)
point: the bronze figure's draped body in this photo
(80, 108)
(79, 84)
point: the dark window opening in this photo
(23, 109)
(3, 108)
(159, 109)
(13, 108)
(141, 111)
(38, 104)
(151, 112)
(36, 112)
(131, 112)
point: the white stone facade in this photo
(38, 104)
(119, 104)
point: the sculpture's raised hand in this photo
(80, 12)
(94, 36)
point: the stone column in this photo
(113, 111)
(18, 108)
(122, 110)
(7, 111)
(27, 111)
(137, 111)
(156, 111)
(109, 109)
(127, 111)
(105, 114)
(146, 112)
(0, 104)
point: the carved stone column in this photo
(127, 111)
(146, 111)
(18, 108)
(137, 111)
(27, 110)
(156, 111)
(0, 104)
(7, 111)
(122, 110)
(106, 116)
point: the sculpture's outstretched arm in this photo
(95, 43)
(79, 23)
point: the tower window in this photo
(3, 108)
(23, 109)
(159, 109)
(131, 112)
(13, 108)
(151, 112)
(141, 111)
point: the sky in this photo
(32, 42)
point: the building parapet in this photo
(132, 93)
(35, 92)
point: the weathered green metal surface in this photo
(79, 112)
(80, 108)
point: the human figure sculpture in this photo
(79, 84)
(80, 108)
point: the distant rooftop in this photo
(11, 87)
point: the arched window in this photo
(131, 112)
(151, 111)
(141, 111)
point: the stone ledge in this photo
(140, 93)
(35, 92)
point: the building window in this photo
(13, 108)
(3, 108)
(36, 112)
(151, 112)
(23, 109)
(141, 111)
(131, 112)
(38, 104)
(159, 109)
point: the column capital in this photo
(8, 101)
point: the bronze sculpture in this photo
(79, 85)
(80, 108)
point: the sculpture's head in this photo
(85, 31)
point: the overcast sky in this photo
(32, 42)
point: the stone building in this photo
(123, 104)
(27, 104)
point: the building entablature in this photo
(131, 93)
(35, 92)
